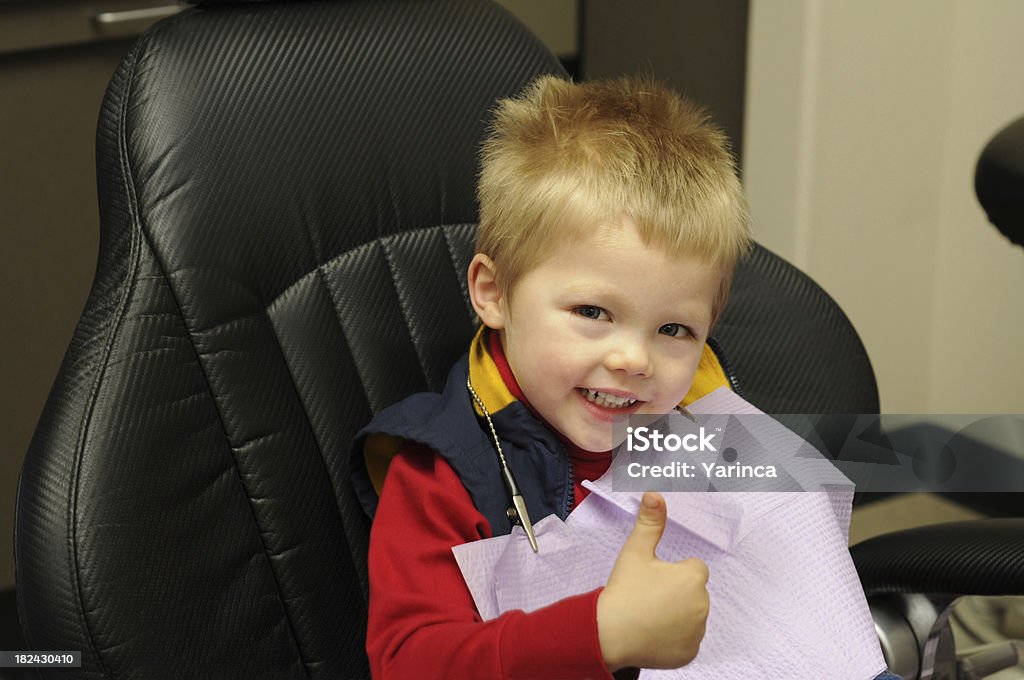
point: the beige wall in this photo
(864, 121)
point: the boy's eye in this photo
(589, 311)
(674, 330)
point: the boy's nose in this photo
(630, 356)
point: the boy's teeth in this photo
(607, 400)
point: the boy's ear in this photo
(484, 292)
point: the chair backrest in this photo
(791, 347)
(287, 209)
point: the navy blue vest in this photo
(447, 424)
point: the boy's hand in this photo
(652, 613)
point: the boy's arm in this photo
(422, 620)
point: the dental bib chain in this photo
(517, 511)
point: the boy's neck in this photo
(497, 353)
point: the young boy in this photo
(610, 222)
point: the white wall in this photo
(864, 121)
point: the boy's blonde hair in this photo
(565, 157)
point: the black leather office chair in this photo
(287, 208)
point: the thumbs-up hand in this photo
(652, 613)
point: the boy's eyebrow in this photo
(588, 289)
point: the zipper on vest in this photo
(726, 368)
(570, 491)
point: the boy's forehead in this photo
(577, 242)
(608, 264)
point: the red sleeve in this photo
(422, 620)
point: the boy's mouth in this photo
(606, 400)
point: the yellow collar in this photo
(485, 376)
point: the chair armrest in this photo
(999, 179)
(976, 557)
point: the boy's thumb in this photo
(650, 524)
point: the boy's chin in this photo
(600, 444)
(608, 440)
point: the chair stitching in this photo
(404, 304)
(455, 264)
(234, 464)
(115, 323)
(321, 277)
(231, 448)
(320, 274)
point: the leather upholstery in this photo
(790, 346)
(287, 209)
(977, 557)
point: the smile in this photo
(606, 400)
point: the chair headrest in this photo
(223, 2)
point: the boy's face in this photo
(604, 326)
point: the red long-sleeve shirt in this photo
(422, 620)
